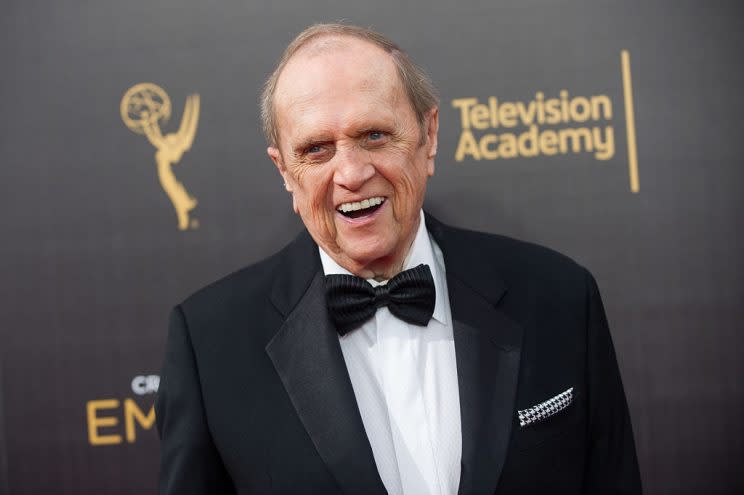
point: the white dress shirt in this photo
(405, 382)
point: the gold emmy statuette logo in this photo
(142, 107)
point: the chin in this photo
(369, 254)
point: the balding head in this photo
(320, 38)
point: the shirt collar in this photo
(422, 251)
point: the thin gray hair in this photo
(420, 91)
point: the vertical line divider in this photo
(630, 122)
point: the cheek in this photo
(408, 177)
(315, 205)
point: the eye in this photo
(316, 152)
(314, 149)
(374, 140)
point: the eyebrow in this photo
(363, 126)
(305, 143)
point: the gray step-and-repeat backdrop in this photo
(610, 131)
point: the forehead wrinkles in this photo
(330, 69)
(340, 110)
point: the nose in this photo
(353, 168)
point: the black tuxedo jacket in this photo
(255, 396)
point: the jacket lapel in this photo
(307, 356)
(487, 350)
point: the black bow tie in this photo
(351, 300)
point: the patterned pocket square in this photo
(545, 409)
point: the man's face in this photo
(352, 153)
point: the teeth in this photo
(359, 205)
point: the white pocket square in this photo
(546, 409)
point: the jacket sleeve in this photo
(189, 461)
(612, 466)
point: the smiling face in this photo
(352, 153)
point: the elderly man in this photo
(382, 351)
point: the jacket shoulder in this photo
(519, 264)
(244, 281)
(516, 253)
(248, 288)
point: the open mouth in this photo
(361, 208)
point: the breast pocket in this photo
(547, 456)
(547, 421)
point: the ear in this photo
(432, 131)
(276, 157)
